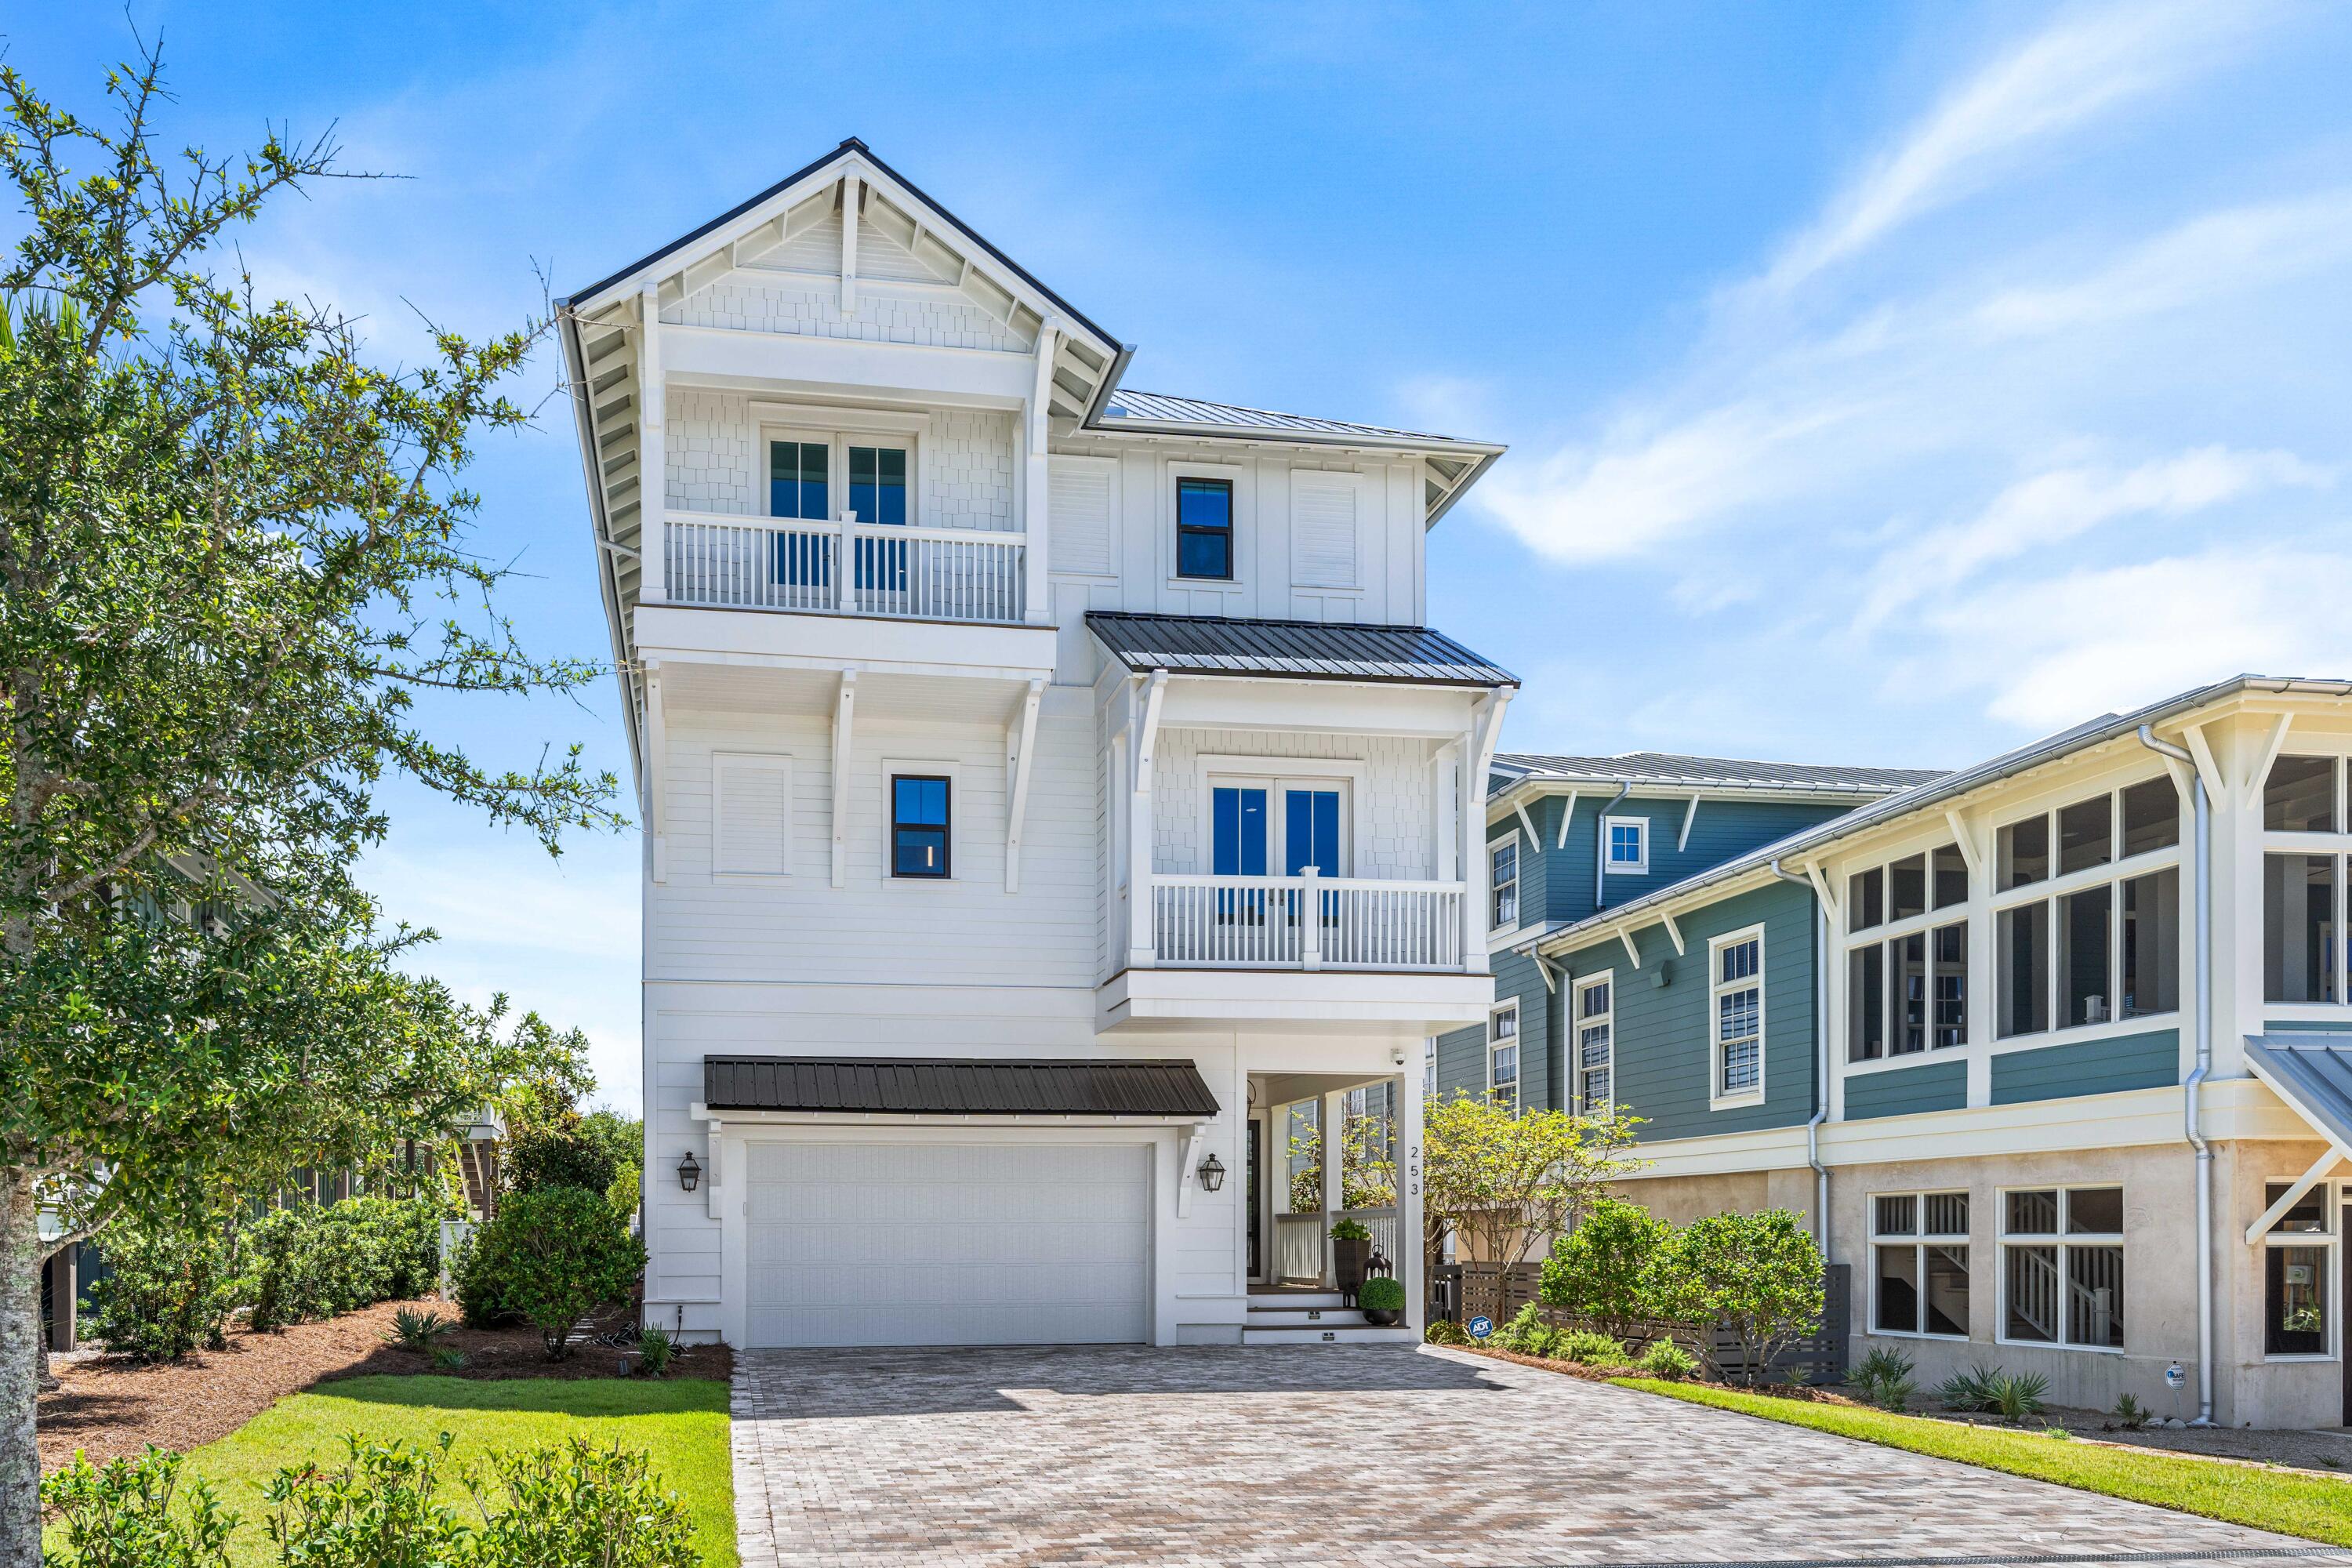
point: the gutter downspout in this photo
(1820, 1061)
(1601, 843)
(2191, 1109)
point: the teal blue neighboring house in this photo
(1570, 838)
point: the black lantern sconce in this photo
(1212, 1173)
(689, 1170)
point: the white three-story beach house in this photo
(1048, 791)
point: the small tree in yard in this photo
(1598, 1274)
(1758, 1275)
(553, 1256)
(232, 551)
(1501, 1181)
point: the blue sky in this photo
(1884, 385)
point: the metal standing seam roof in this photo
(1159, 408)
(1301, 650)
(2313, 1072)
(1685, 772)
(955, 1085)
(1936, 792)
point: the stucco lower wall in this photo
(1682, 1199)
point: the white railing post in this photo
(1310, 922)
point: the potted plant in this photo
(1381, 1300)
(1351, 1248)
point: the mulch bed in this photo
(109, 1406)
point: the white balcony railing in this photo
(1306, 922)
(844, 568)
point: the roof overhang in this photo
(2312, 1073)
(956, 1089)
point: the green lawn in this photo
(682, 1423)
(2291, 1502)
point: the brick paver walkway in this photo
(1356, 1455)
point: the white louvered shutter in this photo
(1323, 530)
(1078, 498)
(751, 814)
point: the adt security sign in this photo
(2176, 1376)
(1481, 1327)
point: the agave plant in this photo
(2014, 1395)
(414, 1331)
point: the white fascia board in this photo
(1538, 786)
(792, 639)
(738, 1120)
(844, 366)
(1430, 1003)
(600, 530)
(1327, 707)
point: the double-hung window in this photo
(1919, 1254)
(2102, 941)
(2299, 1264)
(918, 826)
(1429, 1067)
(1503, 1056)
(2305, 841)
(1596, 1046)
(1503, 861)
(1907, 977)
(1625, 845)
(1736, 966)
(1204, 529)
(2061, 1260)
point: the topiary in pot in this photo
(1381, 1300)
(1352, 1249)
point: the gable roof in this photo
(1681, 772)
(1936, 792)
(1300, 651)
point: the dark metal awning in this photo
(2312, 1073)
(909, 1086)
(1297, 651)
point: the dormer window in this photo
(1204, 529)
(1628, 843)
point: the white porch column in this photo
(652, 471)
(1037, 607)
(1143, 951)
(1334, 1115)
(1412, 1267)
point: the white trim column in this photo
(1142, 951)
(653, 465)
(1037, 603)
(1412, 1268)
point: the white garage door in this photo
(948, 1244)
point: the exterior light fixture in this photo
(689, 1170)
(1212, 1173)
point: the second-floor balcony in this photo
(1305, 922)
(847, 568)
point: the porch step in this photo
(1289, 1316)
(1325, 1334)
(1287, 1300)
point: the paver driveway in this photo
(1355, 1455)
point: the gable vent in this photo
(750, 814)
(1079, 508)
(1323, 530)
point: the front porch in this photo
(1325, 1152)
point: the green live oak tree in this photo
(234, 552)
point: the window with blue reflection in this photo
(1237, 832)
(918, 826)
(1204, 528)
(796, 489)
(1310, 831)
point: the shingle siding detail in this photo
(1907, 1091)
(2092, 1067)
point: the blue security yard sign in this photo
(1481, 1327)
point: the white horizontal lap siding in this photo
(1393, 815)
(877, 929)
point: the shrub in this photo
(1522, 1331)
(562, 1151)
(375, 1510)
(448, 1359)
(1669, 1361)
(1589, 1349)
(1350, 1230)
(123, 1516)
(1881, 1365)
(1758, 1275)
(549, 1256)
(2131, 1413)
(414, 1331)
(579, 1506)
(1596, 1273)
(1893, 1393)
(1446, 1332)
(655, 1347)
(1967, 1391)
(323, 1261)
(1380, 1294)
(2014, 1395)
(166, 1291)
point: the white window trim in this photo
(1244, 523)
(1716, 1099)
(721, 763)
(1578, 1023)
(1519, 881)
(839, 429)
(1611, 867)
(1211, 769)
(1919, 1240)
(2336, 1195)
(959, 835)
(1519, 1060)
(2003, 1239)
(1885, 937)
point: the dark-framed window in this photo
(1204, 528)
(797, 489)
(918, 825)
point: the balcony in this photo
(846, 568)
(1306, 922)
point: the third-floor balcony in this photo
(846, 568)
(1306, 922)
